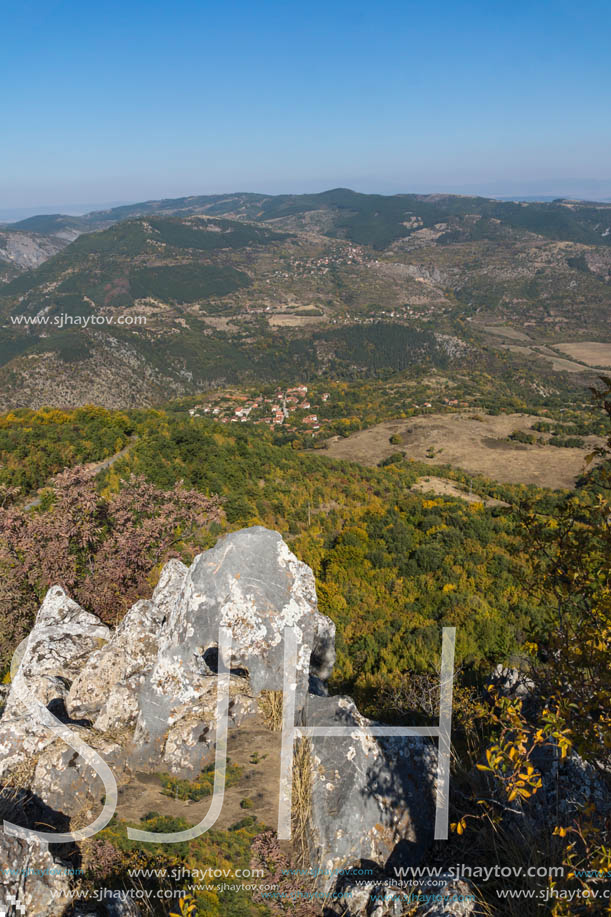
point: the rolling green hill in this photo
(168, 259)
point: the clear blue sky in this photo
(107, 101)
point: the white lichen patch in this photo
(239, 612)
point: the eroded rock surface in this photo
(31, 878)
(58, 647)
(107, 688)
(252, 583)
(145, 697)
(445, 896)
(372, 798)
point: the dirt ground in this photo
(442, 487)
(476, 446)
(293, 321)
(259, 782)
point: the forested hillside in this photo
(370, 219)
(392, 567)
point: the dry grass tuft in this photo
(21, 775)
(302, 799)
(270, 708)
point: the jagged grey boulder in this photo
(59, 644)
(252, 583)
(511, 682)
(371, 798)
(145, 697)
(190, 737)
(119, 907)
(107, 689)
(568, 785)
(446, 896)
(353, 900)
(61, 641)
(373, 899)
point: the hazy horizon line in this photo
(526, 191)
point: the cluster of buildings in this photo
(341, 255)
(290, 408)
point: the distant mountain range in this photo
(590, 190)
(244, 285)
(375, 216)
(367, 219)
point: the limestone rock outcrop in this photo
(144, 696)
(32, 881)
(249, 582)
(372, 798)
(443, 897)
(63, 638)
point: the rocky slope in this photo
(26, 250)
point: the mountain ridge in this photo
(233, 288)
(338, 197)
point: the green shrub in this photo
(520, 436)
(202, 786)
(392, 459)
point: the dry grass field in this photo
(589, 355)
(591, 352)
(478, 446)
(259, 783)
(559, 363)
(293, 321)
(505, 331)
(442, 487)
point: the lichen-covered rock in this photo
(371, 798)
(191, 736)
(63, 779)
(568, 785)
(145, 697)
(322, 659)
(353, 900)
(32, 881)
(112, 907)
(252, 583)
(59, 644)
(107, 689)
(511, 682)
(445, 896)
(62, 639)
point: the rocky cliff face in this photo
(144, 697)
(27, 250)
